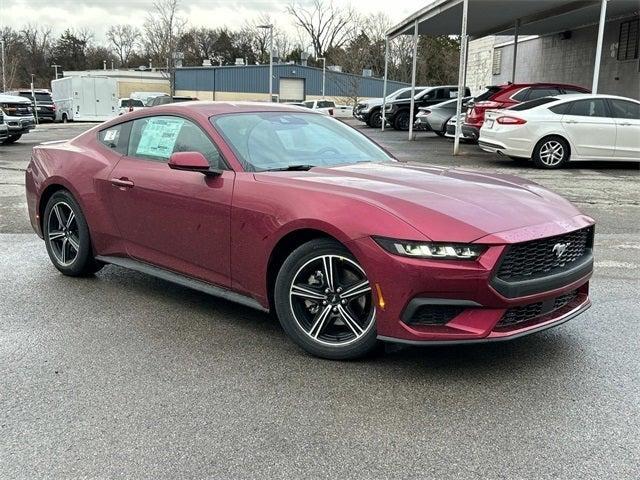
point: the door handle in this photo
(122, 182)
(624, 124)
(572, 121)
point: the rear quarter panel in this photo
(81, 166)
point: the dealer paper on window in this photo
(159, 137)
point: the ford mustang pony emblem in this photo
(560, 248)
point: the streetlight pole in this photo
(324, 73)
(35, 102)
(270, 27)
(4, 81)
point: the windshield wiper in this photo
(292, 168)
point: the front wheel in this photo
(551, 152)
(324, 301)
(66, 236)
(375, 119)
(12, 139)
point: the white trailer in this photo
(85, 98)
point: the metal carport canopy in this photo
(498, 17)
(479, 18)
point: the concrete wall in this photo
(479, 64)
(552, 59)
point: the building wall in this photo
(552, 59)
(251, 82)
(248, 97)
(479, 64)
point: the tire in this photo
(375, 119)
(12, 139)
(65, 119)
(316, 315)
(401, 122)
(551, 152)
(67, 240)
(440, 133)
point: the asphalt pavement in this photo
(127, 376)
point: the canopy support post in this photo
(413, 79)
(596, 68)
(384, 87)
(515, 50)
(461, 77)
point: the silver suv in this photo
(18, 117)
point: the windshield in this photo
(278, 140)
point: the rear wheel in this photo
(65, 119)
(66, 236)
(324, 301)
(551, 152)
(375, 119)
(401, 122)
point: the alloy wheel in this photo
(551, 153)
(63, 233)
(330, 298)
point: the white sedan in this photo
(555, 130)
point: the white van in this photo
(85, 98)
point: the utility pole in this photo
(270, 28)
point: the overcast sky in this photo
(97, 15)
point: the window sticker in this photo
(159, 137)
(110, 135)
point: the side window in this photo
(542, 92)
(572, 90)
(560, 109)
(625, 109)
(405, 94)
(443, 93)
(116, 137)
(589, 108)
(156, 138)
(430, 95)
(522, 95)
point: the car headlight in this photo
(431, 250)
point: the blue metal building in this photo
(290, 83)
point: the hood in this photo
(445, 204)
(371, 102)
(13, 99)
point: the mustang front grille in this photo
(434, 314)
(525, 313)
(538, 257)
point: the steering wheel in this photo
(324, 150)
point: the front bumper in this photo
(480, 311)
(4, 132)
(471, 132)
(362, 115)
(19, 126)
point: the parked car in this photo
(166, 99)
(398, 111)
(435, 118)
(4, 129)
(43, 103)
(370, 111)
(503, 96)
(330, 108)
(555, 130)
(451, 129)
(18, 116)
(286, 210)
(126, 105)
(146, 97)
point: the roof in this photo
(498, 17)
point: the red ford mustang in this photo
(280, 208)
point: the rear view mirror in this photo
(192, 162)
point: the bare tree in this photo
(123, 39)
(327, 25)
(162, 28)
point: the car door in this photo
(627, 117)
(590, 129)
(178, 220)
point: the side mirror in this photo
(192, 162)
